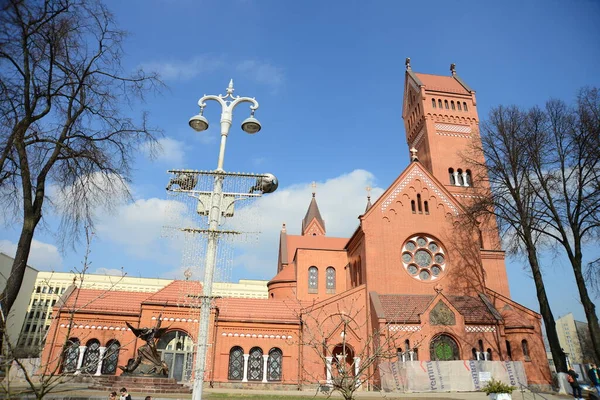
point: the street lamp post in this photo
(200, 123)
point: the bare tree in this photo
(48, 376)
(510, 198)
(563, 151)
(340, 344)
(63, 130)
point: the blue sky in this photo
(329, 77)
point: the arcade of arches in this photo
(410, 268)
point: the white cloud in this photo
(263, 73)
(43, 256)
(109, 271)
(341, 200)
(168, 150)
(185, 69)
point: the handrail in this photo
(531, 389)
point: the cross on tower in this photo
(314, 188)
(368, 188)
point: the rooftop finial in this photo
(453, 69)
(368, 189)
(407, 63)
(314, 188)
(283, 228)
(230, 87)
(413, 154)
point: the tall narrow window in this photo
(446, 104)
(274, 364)
(459, 178)
(452, 104)
(419, 205)
(508, 351)
(91, 356)
(525, 347)
(70, 355)
(330, 279)
(433, 103)
(489, 354)
(440, 103)
(111, 358)
(480, 342)
(426, 204)
(236, 364)
(451, 175)
(412, 207)
(458, 105)
(474, 351)
(469, 179)
(313, 279)
(465, 106)
(255, 364)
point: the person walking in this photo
(572, 379)
(124, 394)
(112, 396)
(594, 375)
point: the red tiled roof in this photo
(441, 83)
(287, 274)
(258, 309)
(406, 308)
(177, 293)
(106, 300)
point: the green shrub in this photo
(495, 386)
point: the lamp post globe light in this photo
(215, 209)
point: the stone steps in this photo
(138, 384)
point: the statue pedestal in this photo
(138, 385)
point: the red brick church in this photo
(413, 270)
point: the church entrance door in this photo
(443, 348)
(176, 350)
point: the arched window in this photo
(508, 351)
(330, 279)
(236, 364)
(452, 104)
(440, 103)
(313, 279)
(70, 356)
(433, 103)
(255, 364)
(480, 342)
(469, 179)
(474, 351)
(459, 178)
(451, 176)
(413, 207)
(465, 106)
(443, 348)
(274, 364)
(426, 205)
(111, 358)
(525, 347)
(446, 104)
(489, 354)
(458, 105)
(419, 204)
(91, 357)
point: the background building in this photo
(17, 314)
(45, 291)
(574, 338)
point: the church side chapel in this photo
(413, 270)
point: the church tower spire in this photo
(313, 224)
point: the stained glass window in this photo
(255, 364)
(313, 278)
(236, 364)
(274, 365)
(71, 355)
(91, 357)
(111, 358)
(423, 258)
(443, 348)
(330, 278)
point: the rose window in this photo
(424, 258)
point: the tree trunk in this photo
(558, 355)
(588, 307)
(13, 283)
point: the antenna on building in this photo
(407, 63)
(453, 69)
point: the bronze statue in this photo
(148, 360)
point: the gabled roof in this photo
(407, 308)
(296, 242)
(97, 300)
(415, 170)
(177, 293)
(440, 83)
(312, 213)
(287, 274)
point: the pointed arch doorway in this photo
(444, 348)
(177, 351)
